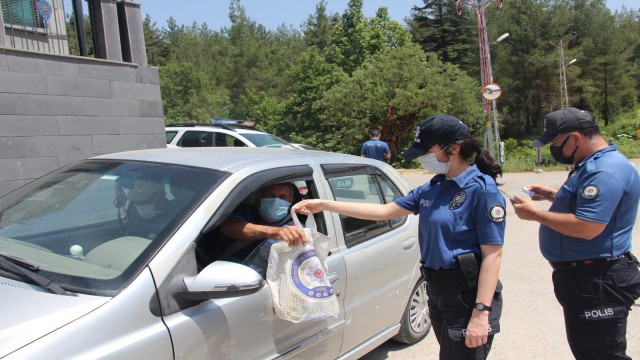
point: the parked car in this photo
(220, 135)
(79, 280)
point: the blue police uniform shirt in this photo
(456, 216)
(375, 149)
(604, 188)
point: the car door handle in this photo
(409, 243)
(333, 279)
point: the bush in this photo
(520, 157)
(624, 133)
(625, 125)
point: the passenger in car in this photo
(147, 207)
(265, 221)
(461, 234)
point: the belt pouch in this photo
(469, 269)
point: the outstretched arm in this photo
(356, 210)
(248, 232)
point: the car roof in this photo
(215, 127)
(234, 159)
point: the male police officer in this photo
(586, 234)
(376, 148)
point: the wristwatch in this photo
(482, 307)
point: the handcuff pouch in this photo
(469, 268)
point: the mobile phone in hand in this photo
(527, 191)
(509, 196)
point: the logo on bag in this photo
(309, 277)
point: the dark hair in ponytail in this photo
(471, 150)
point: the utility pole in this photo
(564, 98)
(564, 95)
(486, 76)
(606, 97)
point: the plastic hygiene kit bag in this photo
(298, 278)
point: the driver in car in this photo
(147, 207)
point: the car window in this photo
(170, 134)
(226, 140)
(94, 224)
(390, 193)
(196, 138)
(214, 245)
(264, 140)
(362, 185)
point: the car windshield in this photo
(265, 140)
(90, 227)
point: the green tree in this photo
(385, 34)
(438, 28)
(268, 112)
(608, 87)
(153, 42)
(629, 27)
(72, 34)
(317, 29)
(256, 60)
(310, 78)
(348, 48)
(526, 65)
(187, 97)
(341, 73)
(393, 91)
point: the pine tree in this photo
(438, 28)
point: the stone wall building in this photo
(56, 109)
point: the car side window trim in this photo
(250, 184)
(361, 184)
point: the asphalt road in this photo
(532, 325)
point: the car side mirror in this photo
(222, 279)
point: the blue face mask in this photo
(273, 209)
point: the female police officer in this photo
(462, 222)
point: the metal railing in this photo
(35, 25)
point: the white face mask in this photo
(147, 211)
(430, 163)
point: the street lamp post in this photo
(493, 104)
(486, 76)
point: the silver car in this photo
(80, 277)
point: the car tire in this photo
(415, 323)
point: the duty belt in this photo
(442, 276)
(579, 264)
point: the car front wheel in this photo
(415, 323)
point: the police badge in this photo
(457, 200)
(497, 213)
(590, 191)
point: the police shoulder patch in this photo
(497, 213)
(590, 191)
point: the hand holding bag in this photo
(297, 276)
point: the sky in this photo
(273, 13)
